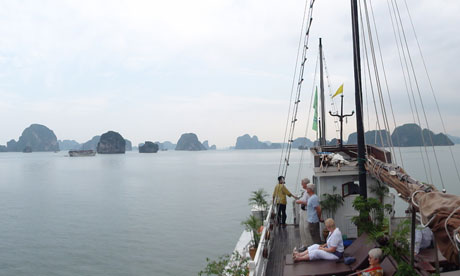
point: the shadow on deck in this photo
(284, 241)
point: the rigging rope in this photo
(333, 104)
(408, 85)
(386, 83)
(308, 123)
(370, 76)
(378, 84)
(299, 88)
(431, 86)
(420, 98)
(292, 87)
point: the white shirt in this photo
(304, 197)
(334, 239)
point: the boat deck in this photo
(284, 240)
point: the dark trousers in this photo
(282, 213)
(314, 232)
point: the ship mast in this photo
(323, 105)
(358, 100)
(341, 116)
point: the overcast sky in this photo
(153, 70)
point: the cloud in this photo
(218, 68)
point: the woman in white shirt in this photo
(331, 250)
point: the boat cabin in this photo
(336, 171)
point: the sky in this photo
(152, 70)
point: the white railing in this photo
(258, 265)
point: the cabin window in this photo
(350, 188)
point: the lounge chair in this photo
(358, 249)
(429, 255)
(389, 266)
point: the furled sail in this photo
(439, 211)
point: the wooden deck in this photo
(284, 241)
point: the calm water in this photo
(138, 214)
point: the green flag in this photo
(315, 115)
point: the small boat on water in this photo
(78, 153)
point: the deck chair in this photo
(358, 249)
(429, 255)
(389, 266)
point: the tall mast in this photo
(358, 100)
(321, 85)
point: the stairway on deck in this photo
(284, 240)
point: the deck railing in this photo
(258, 265)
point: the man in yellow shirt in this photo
(279, 197)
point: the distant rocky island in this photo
(69, 145)
(34, 138)
(128, 145)
(408, 135)
(207, 147)
(111, 142)
(372, 137)
(38, 137)
(88, 145)
(248, 142)
(166, 145)
(148, 147)
(91, 144)
(455, 140)
(302, 142)
(189, 142)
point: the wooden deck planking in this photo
(284, 241)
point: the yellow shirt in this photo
(280, 193)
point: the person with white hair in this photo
(331, 250)
(305, 236)
(313, 213)
(374, 269)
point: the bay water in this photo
(144, 214)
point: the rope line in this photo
(370, 75)
(292, 87)
(333, 104)
(299, 88)
(308, 123)
(386, 83)
(420, 98)
(409, 88)
(431, 86)
(379, 87)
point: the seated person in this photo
(331, 250)
(423, 238)
(374, 268)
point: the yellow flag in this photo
(339, 91)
